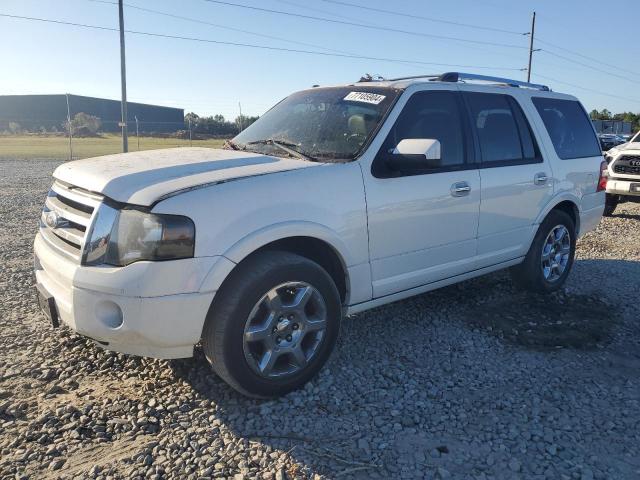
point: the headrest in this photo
(356, 124)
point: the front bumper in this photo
(154, 309)
(623, 187)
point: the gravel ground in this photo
(471, 381)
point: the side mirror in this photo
(428, 147)
(414, 154)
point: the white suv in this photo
(623, 184)
(337, 200)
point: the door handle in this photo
(460, 189)
(540, 178)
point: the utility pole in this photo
(123, 79)
(137, 131)
(69, 127)
(531, 50)
(240, 118)
(190, 138)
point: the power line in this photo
(217, 25)
(59, 22)
(249, 32)
(234, 29)
(364, 25)
(428, 19)
(567, 59)
(588, 89)
(248, 45)
(372, 25)
(573, 52)
(409, 63)
(315, 9)
(338, 2)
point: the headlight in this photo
(121, 237)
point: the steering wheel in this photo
(356, 139)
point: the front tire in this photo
(550, 257)
(273, 324)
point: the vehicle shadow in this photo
(627, 210)
(352, 419)
(628, 216)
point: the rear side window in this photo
(504, 135)
(569, 128)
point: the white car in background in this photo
(335, 201)
(623, 183)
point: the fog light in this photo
(109, 313)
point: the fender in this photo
(252, 242)
(559, 198)
(278, 231)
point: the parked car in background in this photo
(335, 201)
(610, 140)
(623, 171)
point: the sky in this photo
(582, 42)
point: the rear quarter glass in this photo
(569, 127)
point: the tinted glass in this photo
(497, 128)
(569, 128)
(529, 146)
(326, 123)
(431, 115)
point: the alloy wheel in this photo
(556, 251)
(285, 329)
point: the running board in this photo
(394, 297)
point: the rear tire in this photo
(273, 324)
(550, 258)
(610, 205)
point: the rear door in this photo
(573, 148)
(516, 179)
(423, 225)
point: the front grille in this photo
(624, 165)
(66, 218)
(626, 169)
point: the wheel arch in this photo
(566, 203)
(318, 251)
(571, 209)
(309, 240)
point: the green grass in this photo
(57, 147)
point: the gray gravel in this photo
(471, 381)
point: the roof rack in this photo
(462, 77)
(413, 77)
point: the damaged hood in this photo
(143, 178)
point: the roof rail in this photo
(461, 77)
(413, 77)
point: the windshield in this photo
(319, 124)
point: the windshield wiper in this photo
(288, 147)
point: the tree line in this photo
(604, 114)
(217, 124)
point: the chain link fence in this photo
(56, 128)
